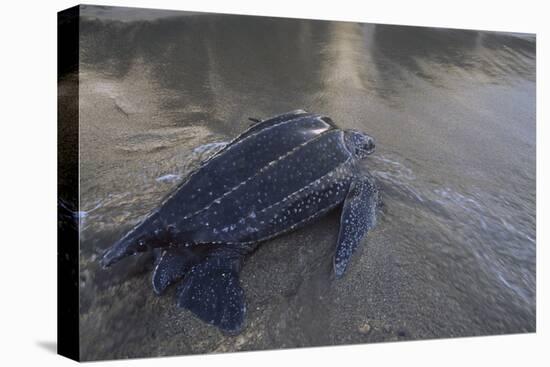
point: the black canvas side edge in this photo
(67, 183)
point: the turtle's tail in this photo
(112, 255)
(139, 239)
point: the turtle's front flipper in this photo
(212, 292)
(358, 217)
(172, 264)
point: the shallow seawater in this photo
(453, 114)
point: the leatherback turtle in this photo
(280, 174)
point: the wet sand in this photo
(453, 113)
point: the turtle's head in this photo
(359, 143)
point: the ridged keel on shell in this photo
(241, 159)
(279, 196)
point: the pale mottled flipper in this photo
(171, 265)
(358, 217)
(212, 292)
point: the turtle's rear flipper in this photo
(212, 292)
(171, 265)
